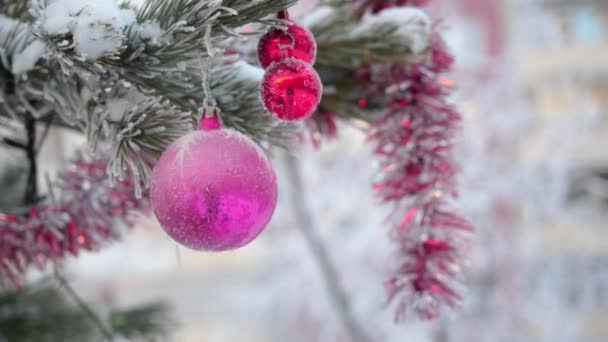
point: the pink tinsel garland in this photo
(413, 141)
(82, 217)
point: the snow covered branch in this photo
(85, 62)
(396, 34)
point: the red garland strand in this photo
(412, 139)
(81, 219)
(321, 124)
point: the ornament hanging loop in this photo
(283, 15)
(210, 118)
(285, 47)
(209, 99)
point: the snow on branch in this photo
(129, 78)
(247, 114)
(397, 34)
(17, 9)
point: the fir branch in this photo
(43, 313)
(31, 192)
(304, 222)
(236, 88)
(84, 306)
(143, 131)
(20, 96)
(144, 322)
(149, 128)
(345, 41)
(17, 9)
(168, 67)
(164, 67)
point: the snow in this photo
(117, 108)
(24, 60)
(248, 71)
(414, 26)
(151, 32)
(318, 15)
(181, 66)
(6, 25)
(96, 26)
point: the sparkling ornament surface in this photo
(291, 89)
(213, 190)
(295, 42)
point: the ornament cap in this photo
(284, 15)
(210, 119)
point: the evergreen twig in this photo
(31, 192)
(105, 331)
(304, 222)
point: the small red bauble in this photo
(291, 89)
(296, 42)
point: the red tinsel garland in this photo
(82, 217)
(413, 141)
(321, 124)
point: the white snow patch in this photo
(151, 32)
(181, 66)
(117, 108)
(414, 26)
(96, 26)
(26, 59)
(248, 71)
(7, 25)
(318, 16)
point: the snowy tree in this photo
(134, 79)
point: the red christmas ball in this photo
(296, 42)
(291, 89)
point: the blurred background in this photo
(532, 80)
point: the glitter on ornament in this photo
(213, 190)
(294, 42)
(291, 89)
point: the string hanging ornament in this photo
(213, 189)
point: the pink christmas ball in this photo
(213, 190)
(291, 89)
(296, 41)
